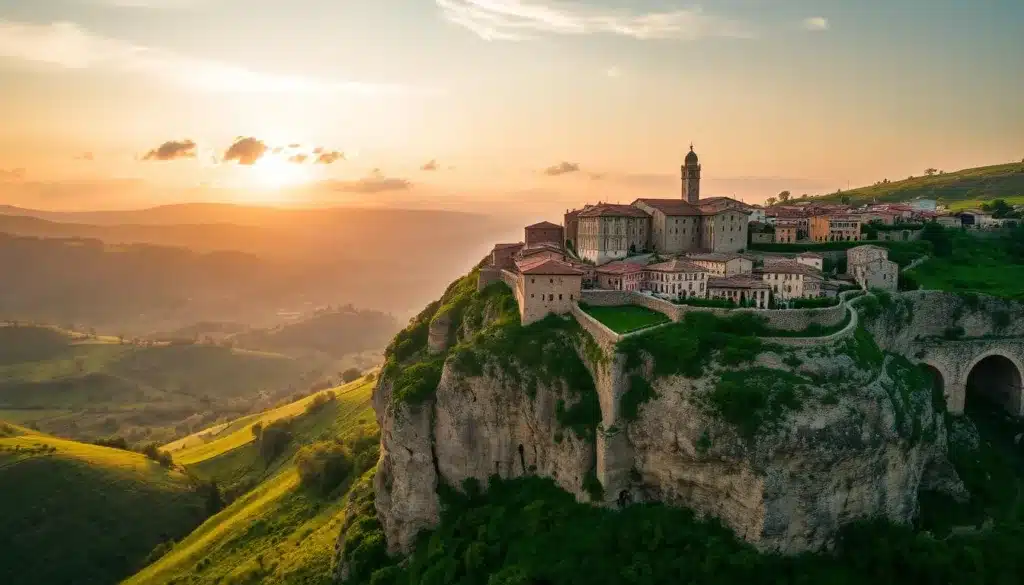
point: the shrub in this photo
(323, 466)
(593, 486)
(152, 451)
(319, 402)
(114, 442)
(754, 399)
(639, 392)
(350, 375)
(814, 303)
(274, 439)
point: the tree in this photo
(845, 200)
(351, 375)
(784, 196)
(930, 171)
(998, 208)
(942, 243)
(323, 466)
(771, 202)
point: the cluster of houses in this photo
(675, 249)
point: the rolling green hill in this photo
(281, 531)
(81, 514)
(86, 387)
(960, 189)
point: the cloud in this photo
(298, 158)
(815, 23)
(517, 20)
(172, 150)
(430, 165)
(12, 175)
(613, 72)
(246, 151)
(67, 45)
(376, 182)
(87, 156)
(562, 168)
(329, 157)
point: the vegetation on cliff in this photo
(992, 265)
(527, 531)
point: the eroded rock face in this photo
(475, 427)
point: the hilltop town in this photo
(693, 250)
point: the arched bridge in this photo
(973, 369)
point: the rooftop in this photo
(612, 210)
(737, 281)
(675, 266)
(671, 206)
(544, 225)
(809, 255)
(547, 266)
(789, 267)
(620, 267)
(714, 256)
(504, 246)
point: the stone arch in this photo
(954, 399)
(995, 377)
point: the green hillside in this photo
(86, 387)
(282, 531)
(81, 514)
(960, 189)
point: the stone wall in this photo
(784, 319)
(604, 336)
(488, 276)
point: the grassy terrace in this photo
(625, 318)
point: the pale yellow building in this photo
(740, 289)
(835, 228)
(545, 286)
(607, 232)
(722, 263)
(791, 280)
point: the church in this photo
(604, 232)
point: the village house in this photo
(786, 231)
(607, 232)
(676, 278)
(741, 289)
(620, 275)
(545, 232)
(722, 263)
(871, 268)
(790, 279)
(835, 228)
(816, 261)
(546, 285)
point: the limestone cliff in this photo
(784, 444)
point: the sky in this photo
(482, 103)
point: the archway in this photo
(996, 380)
(936, 377)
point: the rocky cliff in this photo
(785, 445)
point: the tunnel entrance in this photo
(996, 381)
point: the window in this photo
(532, 295)
(533, 280)
(559, 297)
(551, 281)
(551, 297)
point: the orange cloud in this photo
(562, 168)
(246, 151)
(329, 157)
(430, 165)
(172, 150)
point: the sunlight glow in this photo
(274, 172)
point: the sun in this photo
(273, 173)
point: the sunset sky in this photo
(447, 103)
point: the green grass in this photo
(626, 318)
(86, 387)
(965, 188)
(83, 514)
(280, 532)
(980, 265)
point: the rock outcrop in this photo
(834, 434)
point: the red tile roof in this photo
(714, 256)
(504, 246)
(547, 266)
(671, 206)
(789, 267)
(613, 210)
(676, 266)
(619, 267)
(737, 281)
(544, 225)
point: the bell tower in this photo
(691, 177)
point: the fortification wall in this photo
(784, 319)
(604, 336)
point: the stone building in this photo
(740, 289)
(835, 228)
(816, 261)
(691, 177)
(722, 263)
(503, 255)
(620, 275)
(609, 232)
(545, 286)
(791, 280)
(871, 268)
(545, 232)
(786, 232)
(676, 278)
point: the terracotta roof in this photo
(541, 247)
(788, 267)
(671, 206)
(720, 204)
(675, 266)
(714, 256)
(620, 267)
(544, 225)
(547, 266)
(503, 246)
(809, 255)
(737, 281)
(613, 209)
(871, 246)
(786, 223)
